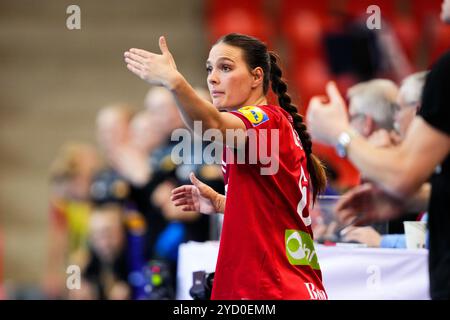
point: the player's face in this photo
(230, 81)
(445, 13)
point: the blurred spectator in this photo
(399, 172)
(71, 174)
(371, 109)
(146, 132)
(112, 125)
(409, 101)
(140, 159)
(106, 273)
(113, 136)
(160, 103)
(193, 226)
(408, 98)
(126, 166)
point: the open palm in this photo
(198, 197)
(156, 69)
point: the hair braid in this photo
(279, 87)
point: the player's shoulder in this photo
(258, 115)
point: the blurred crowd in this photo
(381, 111)
(110, 208)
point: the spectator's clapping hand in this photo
(366, 203)
(380, 139)
(384, 139)
(326, 120)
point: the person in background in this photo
(71, 174)
(398, 174)
(371, 109)
(105, 276)
(149, 144)
(408, 103)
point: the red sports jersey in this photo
(266, 246)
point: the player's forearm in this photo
(192, 107)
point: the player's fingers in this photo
(182, 189)
(163, 46)
(135, 57)
(134, 63)
(179, 196)
(135, 70)
(141, 53)
(195, 180)
(181, 202)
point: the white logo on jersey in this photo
(303, 201)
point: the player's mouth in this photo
(216, 93)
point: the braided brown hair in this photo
(279, 87)
(255, 54)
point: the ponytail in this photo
(315, 167)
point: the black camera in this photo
(202, 285)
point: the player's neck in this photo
(260, 101)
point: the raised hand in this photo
(197, 197)
(366, 203)
(381, 139)
(326, 120)
(156, 69)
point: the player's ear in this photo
(258, 77)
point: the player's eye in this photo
(208, 69)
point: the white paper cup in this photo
(415, 234)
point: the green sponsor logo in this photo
(300, 249)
